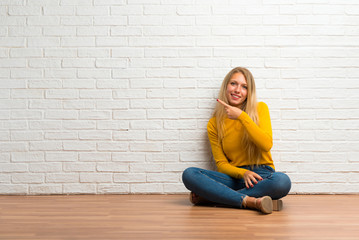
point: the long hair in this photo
(249, 106)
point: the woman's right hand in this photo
(251, 178)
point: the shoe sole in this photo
(277, 205)
(266, 205)
(192, 198)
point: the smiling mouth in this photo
(235, 96)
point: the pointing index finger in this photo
(223, 103)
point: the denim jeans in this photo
(220, 188)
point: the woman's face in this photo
(237, 90)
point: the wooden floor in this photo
(173, 217)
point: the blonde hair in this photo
(249, 106)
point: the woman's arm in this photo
(220, 158)
(261, 134)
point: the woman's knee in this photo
(283, 184)
(188, 174)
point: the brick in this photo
(93, 52)
(61, 135)
(159, 52)
(195, 156)
(42, 3)
(132, 135)
(119, 104)
(14, 125)
(162, 157)
(159, 31)
(93, 11)
(5, 179)
(26, 136)
(129, 178)
(167, 135)
(94, 73)
(63, 31)
(95, 115)
(4, 157)
(76, 2)
(11, 3)
(24, 10)
(62, 178)
(113, 189)
(178, 188)
(79, 83)
(4, 136)
(95, 157)
(95, 94)
(77, 41)
(28, 73)
(78, 104)
(179, 146)
(129, 157)
(13, 146)
(145, 20)
(12, 21)
(112, 167)
(113, 146)
(147, 104)
(112, 83)
(145, 147)
(45, 146)
(95, 177)
(128, 73)
(127, 9)
(14, 189)
(111, 63)
(146, 188)
(162, 177)
(43, 20)
(114, 125)
(160, 42)
(21, 114)
(180, 124)
(27, 178)
(163, 114)
(193, 135)
(13, 167)
(110, 20)
(79, 146)
(129, 114)
(146, 124)
(127, 52)
(79, 188)
(183, 104)
(59, 10)
(45, 189)
(78, 63)
(43, 41)
(160, 93)
(58, 73)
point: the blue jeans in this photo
(220, 188)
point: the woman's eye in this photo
(233, 83)
(245, 87)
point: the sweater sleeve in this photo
(219, 156)
(261, 134)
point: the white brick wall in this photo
(114, 96)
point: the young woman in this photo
(240, 134)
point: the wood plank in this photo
(173, 217)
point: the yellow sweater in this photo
(230, 155)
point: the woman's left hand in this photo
(251, 178)
(232, 112)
